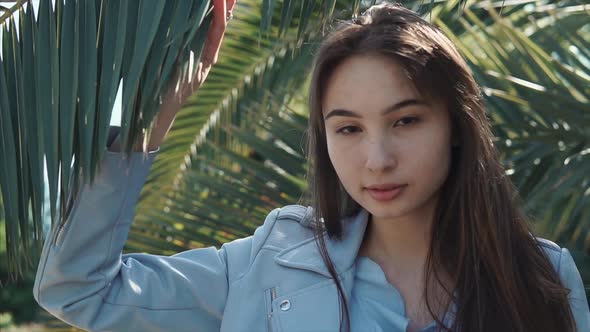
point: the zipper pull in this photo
(273, 296)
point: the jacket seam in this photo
(299, 244)
(549, 246)
(51, 246)
(271, 248)
(309, 288)
(117, 222)
(37, 289)
(104, 300)
(559, 263)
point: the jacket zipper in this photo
(273, 296)
(60, 232)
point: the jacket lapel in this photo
(305, 254)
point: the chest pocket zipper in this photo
(272, 294)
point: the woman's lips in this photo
(384, 195)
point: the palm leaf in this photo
(185, 220)
(72, 107)
(534, 69)
(536, 89)
(122, 44)
(237, 180)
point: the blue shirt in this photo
(376, 305)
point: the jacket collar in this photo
(305, 254)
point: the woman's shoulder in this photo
(282, 227)
(289, 224)
(561, 259)
(551, 249)
(554, 252)
(564, 264)
(303, 215)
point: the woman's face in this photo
(390, 147)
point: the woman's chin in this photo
(382, 211)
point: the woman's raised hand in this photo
(222, 12)
(175, 96)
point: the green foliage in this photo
(233, 166)
(534, 67)
(53, 108)
(532, 62)
(59, 83)
(17, 304)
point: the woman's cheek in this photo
(435, 166)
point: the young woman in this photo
(413, 225)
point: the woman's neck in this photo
(400, 244)
(400, 247)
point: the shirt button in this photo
(285, 305)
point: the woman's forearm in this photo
(172, 102)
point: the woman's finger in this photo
(216, 32)
(230, 4)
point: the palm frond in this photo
(538, 93)
(535, 78)
(67, 130)
(55, 113)
(243, 126)
(229, 188)
(534, 67)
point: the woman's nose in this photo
(379, 155)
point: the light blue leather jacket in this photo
(274, 280)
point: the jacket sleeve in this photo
(571, 279)
(84, 279)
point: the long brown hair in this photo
(502, 278)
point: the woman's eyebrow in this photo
(392, 108)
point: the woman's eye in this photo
(406, 121)
(348, 130)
